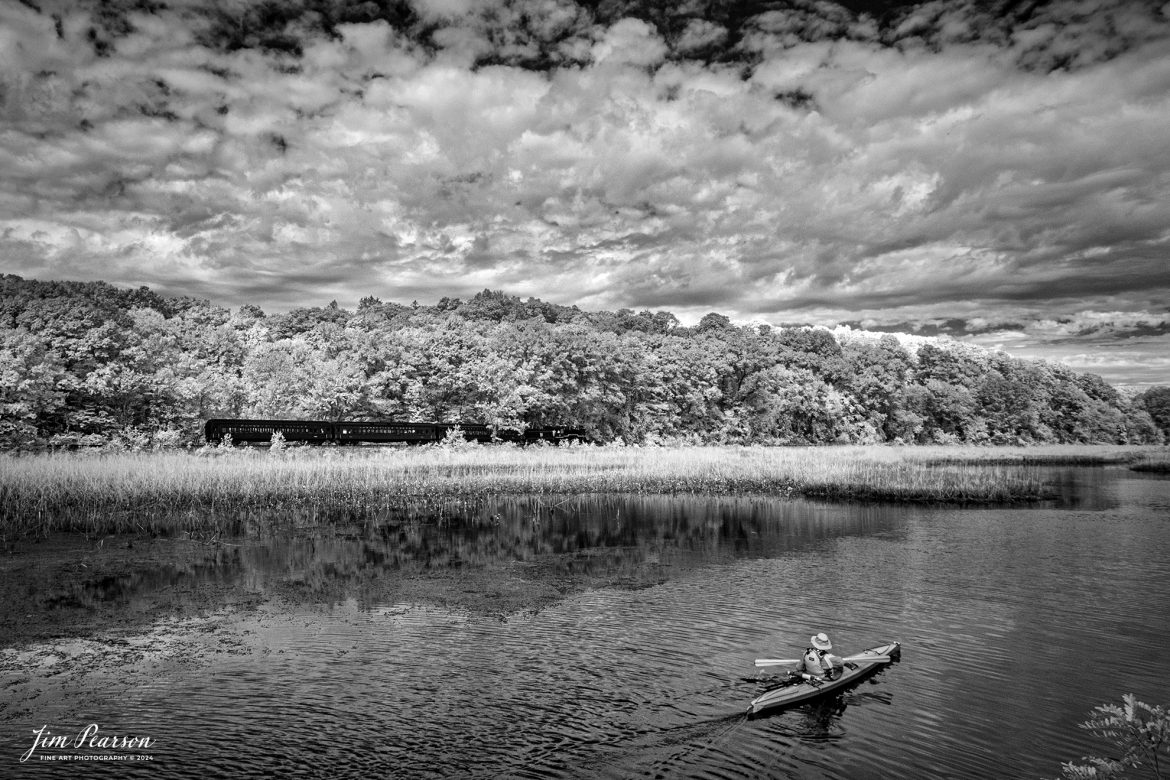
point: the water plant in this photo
(221, 487)
(1140, 732)
(1156, 462)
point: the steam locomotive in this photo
(326, 432)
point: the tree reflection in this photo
(561, 543)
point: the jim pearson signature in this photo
(89, 738)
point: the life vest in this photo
(814, 662)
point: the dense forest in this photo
(92, 364)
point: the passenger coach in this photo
(327, 432)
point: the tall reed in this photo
(170, 491)
(1154, 462)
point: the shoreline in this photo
(220, 492)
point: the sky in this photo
(994, 172)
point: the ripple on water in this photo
(1006, 617)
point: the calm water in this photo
(1015, 623)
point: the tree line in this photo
(87, 363)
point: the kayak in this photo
(800, 690)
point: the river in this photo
(606, 637)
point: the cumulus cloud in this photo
(630, 42)
(699, 34)
(807, 163)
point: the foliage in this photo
(87, 364)
(220, 488)
(1156, 402)
(456, 440)
(1140, 732)
(1158, 463)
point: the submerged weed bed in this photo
(169, 492)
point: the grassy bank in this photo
(1155, 463)
(175, 491)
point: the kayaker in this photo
(818, 661)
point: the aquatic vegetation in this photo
(223, 489)
(1157, 463)
(1140, 732)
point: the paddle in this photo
(794, 678)
(850, 659)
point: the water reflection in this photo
(635, 541)
(220, 565)
(1084, 488)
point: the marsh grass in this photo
(225, 490)
(1155, 462)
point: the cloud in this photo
(807, 163)
(629, 42)
(442, 9)
(700, 34)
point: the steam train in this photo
(326, 432)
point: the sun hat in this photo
(821, 642)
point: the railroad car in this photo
(257, 431)
(376, 432)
